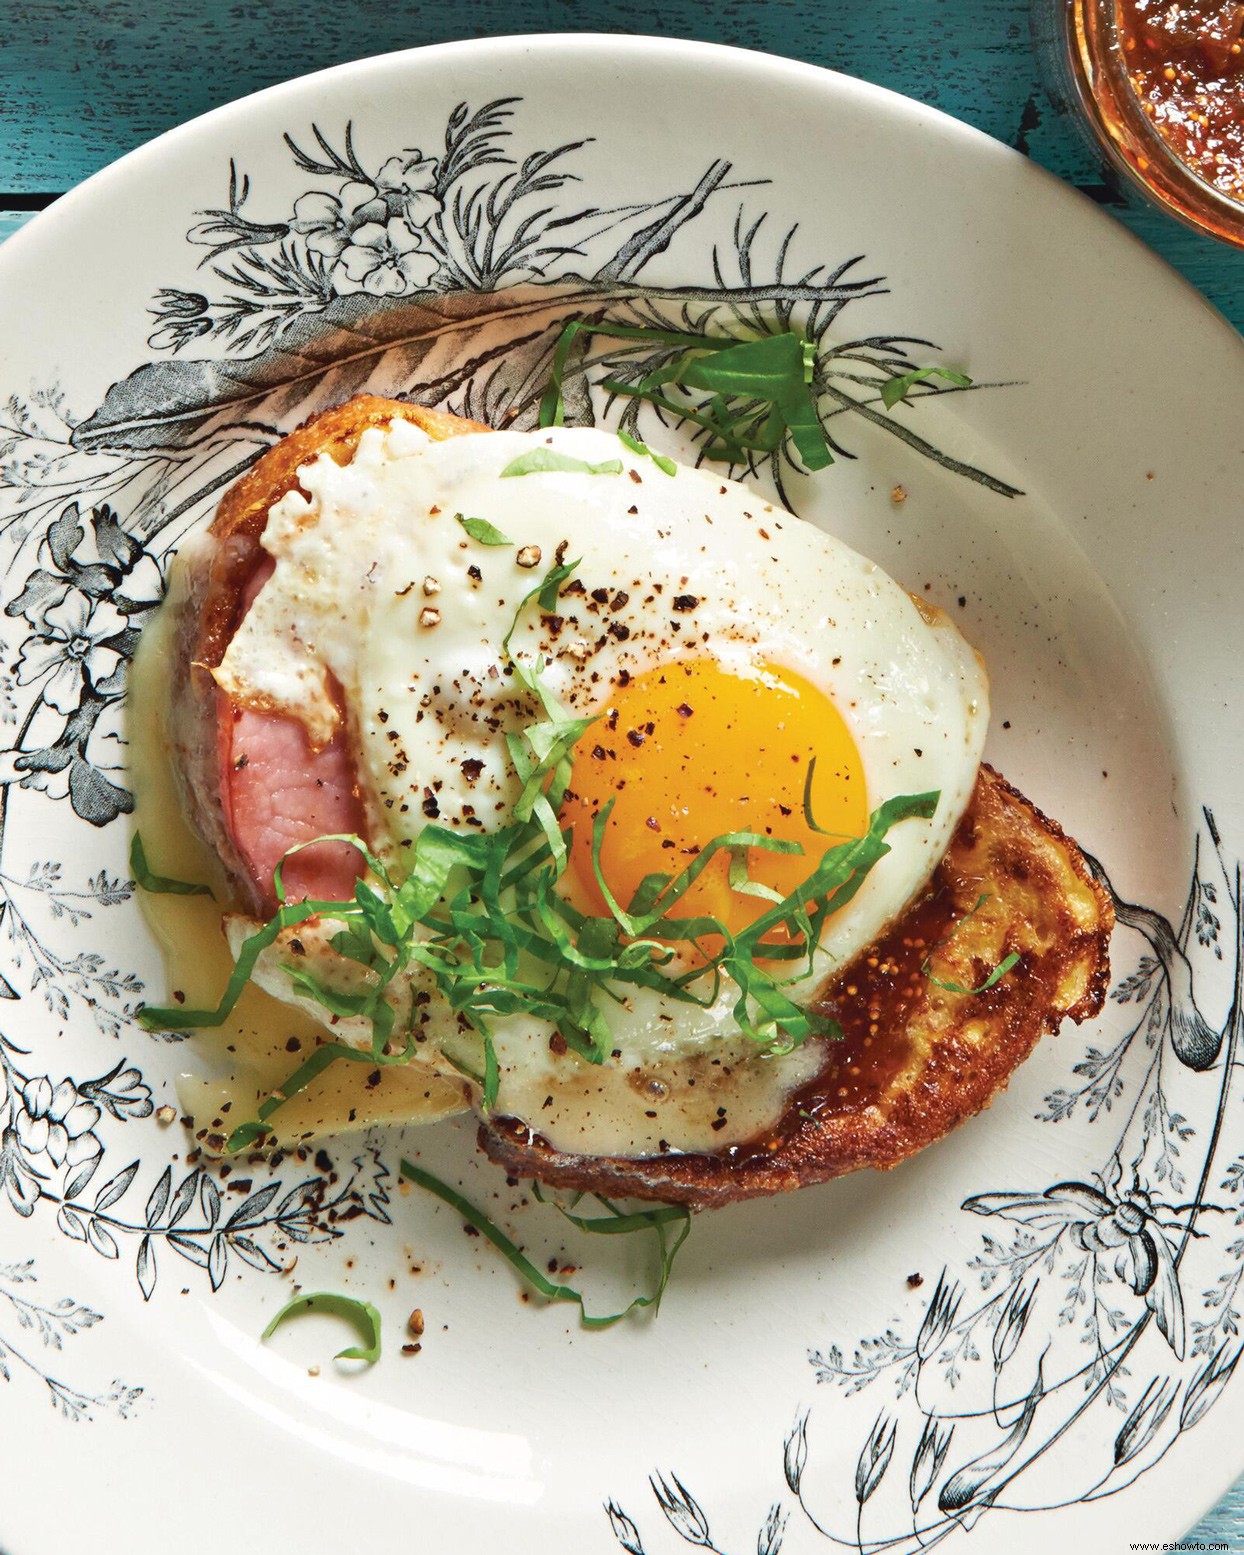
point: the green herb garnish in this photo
(547, 461)
(616, 1222)
(809, 818)
(480, 529)
(899, 388)
(666, 466)
(159, 885)
(995, 977)
(552, 408)
(361, 1313)
(759, 392)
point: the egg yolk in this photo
(693, 749)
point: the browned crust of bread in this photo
(214, 580)
(937, 1057)
(243, 511)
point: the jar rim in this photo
(1126, 134)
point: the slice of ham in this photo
(279, 793)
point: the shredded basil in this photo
(552, 409)
(896, 389)
(995, 977)
(492, 1074)
(547, 461)
(666, 466)
(159, 885)
(360, 1313)
(749, 395)
(480, 529)
(807, 804)
(616, 1222)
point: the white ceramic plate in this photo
(1061, 1373)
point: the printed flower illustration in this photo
(385, 261)
(328, 221)
(106, 564)
(408, 183)
(77, 645)
(332, 223)
(42, 1125)
(19, 1181)
(56, 1122)
(86, 603)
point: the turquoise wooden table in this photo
(82, 83)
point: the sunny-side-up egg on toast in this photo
(661, 835)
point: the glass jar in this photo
(1136, 93)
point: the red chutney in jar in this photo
(1185, 61)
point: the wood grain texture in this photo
(10, 221)
(81, 84)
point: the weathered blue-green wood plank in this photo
(84, 82)
(1224, 1526)
(10, 221)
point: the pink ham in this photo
(279, 792)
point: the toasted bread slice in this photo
(917, 1057)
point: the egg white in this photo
(377, 585)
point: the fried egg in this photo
(721, 647)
